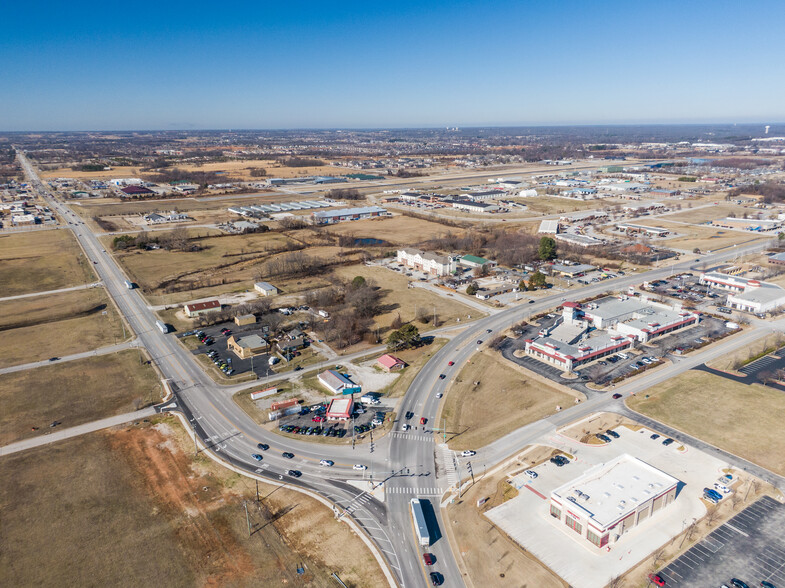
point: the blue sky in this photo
(181, 65)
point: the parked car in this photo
(736, 583)
(667, 441)
(531, 474)
(468, 453)
(612, 433)
(603, 438)
(654, 436)
(559, 460)
(656, 579)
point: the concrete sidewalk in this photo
(74, 357)
(61, 434)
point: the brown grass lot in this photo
(552, 205)
(710, 213)
(415, 360)
(132, 507)
(73, 393)
(484, 551)
(706, 238)
(41, 260)
(505, 400)
(399, 229)
(57, 325)
(398, 298)
(743, 419)
(736, 359)
(236, 169)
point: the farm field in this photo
(132, 507)
(740, 418)
(41, 260)
(504, 400)
(73, 393)
(398, 299)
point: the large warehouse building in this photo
(611, 498)
(328, 217)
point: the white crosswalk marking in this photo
(412, 436)
(448, 465)
(416, 491)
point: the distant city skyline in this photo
(408, 64)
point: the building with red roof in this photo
(391, 363)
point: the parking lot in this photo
(750, 547)
(260, 363)
(311, 421)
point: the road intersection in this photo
(407, 465)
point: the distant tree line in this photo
(770, 191)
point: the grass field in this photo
(41, 260)
(415, 360)
(553, 205)
(57, 325)
(131, 507)
(743, 419)
(504, 400)
(73, 393)
(484, 551)
(705, 238)
(238, 254)
(707, 213)
(398, 298)
(397, 230)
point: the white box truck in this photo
(162, 326)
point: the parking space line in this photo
(736, 529)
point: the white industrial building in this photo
(612, 498)
(436, 265)
(746, 294)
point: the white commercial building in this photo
(746, 294)
(265, 288)
(436, 265)
(611, 498)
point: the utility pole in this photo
(257, 492)
(247, 518)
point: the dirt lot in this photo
(743, 419)
(57, 325)
(504, 400)
(484, 551)
(131, 507)
(398, 298)
(41, 260)
(398, 229)
(73, 393)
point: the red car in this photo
(317, 419)
(450, 363)
(657, 579)
(423, 420)
(428, 559)
(616, 396)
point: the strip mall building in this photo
(588, 332)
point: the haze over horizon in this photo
(407, 65)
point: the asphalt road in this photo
(408, 464)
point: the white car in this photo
(468, 453)
(327, 462)
(406, 427)
(359, 466)
(531, 473)
(722, 488)
(439, 395)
